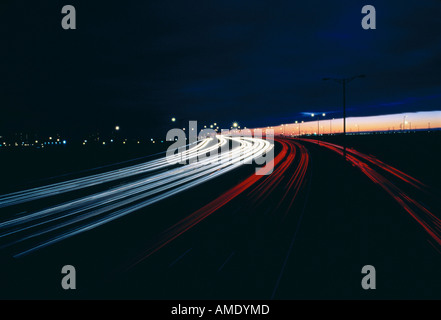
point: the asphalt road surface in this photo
(219, 231)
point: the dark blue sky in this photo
(139, 63)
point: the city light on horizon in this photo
(392, 122)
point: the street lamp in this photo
(115, 134)
(318, 124)
(299, 128)
(344, 81)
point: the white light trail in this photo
(88, 212)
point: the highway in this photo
(224, 232)
(286, 236)
(373, 168)
(70, 218)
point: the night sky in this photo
(138, 63)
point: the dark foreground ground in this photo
(341, 222)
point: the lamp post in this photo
(404, 123)
(344, 82)
(115, 133)
(318, 124)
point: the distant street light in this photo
(344, 81)
(173, 119)
(117, 128)
(299, 129)
(318, 125)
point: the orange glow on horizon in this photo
(393, 122)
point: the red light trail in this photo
(429, 221)
(256, 188)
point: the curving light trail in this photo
(257, 188)
(89, 181)
(419, 211)
(79, 215)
